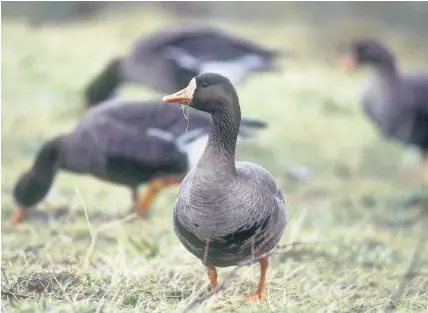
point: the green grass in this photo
(356, 185)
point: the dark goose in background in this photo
(127, 143)
(167, 60)
(226, 212)
(397, 103)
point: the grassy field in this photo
(348, 205)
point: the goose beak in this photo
(184, 96)
(347, 62)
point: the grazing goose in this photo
(167, 59)
(127, 143)
(397, 103)
(225, 212)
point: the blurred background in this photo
(343, 182)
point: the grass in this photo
(355, 187)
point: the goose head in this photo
(368, 52)
(208, 92)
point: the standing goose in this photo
(167, 59)
(225, 212)
(123, 142)
(397, 103)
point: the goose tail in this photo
(250, 127)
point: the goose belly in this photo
(226, 251)
(229, 237)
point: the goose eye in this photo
(204, 84)
(364, 50)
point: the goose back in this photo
(174, 55)
(114, 142)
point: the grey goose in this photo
(125, 142)
(226, 212)
(168, 58)
(397, 103)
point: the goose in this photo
(168, 58)
(397, 103)
(125, 142)
(225, 212)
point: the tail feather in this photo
(253, 123)
(250, 127)
(277, 53)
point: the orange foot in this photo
(17, 215)
(258, 294)
(254, 296)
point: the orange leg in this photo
(258, 293)
(212, 276)
(142, 203)
(17, 215)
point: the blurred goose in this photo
(127, 143)
(396, 103)
(226, 212)
(167, 59)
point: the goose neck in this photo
(220, 150)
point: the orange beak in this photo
(183, 96)
(17, 215)
(347, 62)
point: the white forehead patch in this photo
(190, 90)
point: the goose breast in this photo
(233, 215)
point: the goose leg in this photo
(142, 202)
(134, 195)
(258, 293)
(211, 271)
(134, 198)
(17, 215)
(212, 276)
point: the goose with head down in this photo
(397, 103)
(226, 212)
(126, 142)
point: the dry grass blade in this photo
(14, 295)
(5, 276)
(100, 306)
(86, 213)
(411, 271)
(94, 234)
(91, 248)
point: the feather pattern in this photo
(233, 215)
